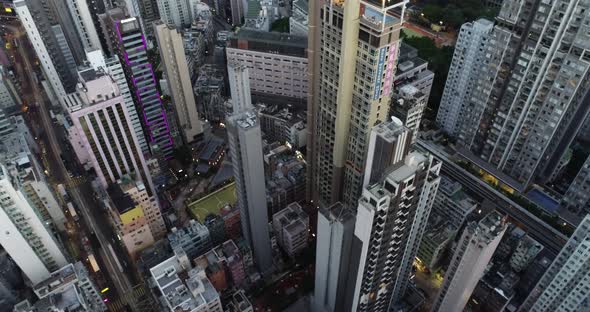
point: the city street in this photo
(81, 193)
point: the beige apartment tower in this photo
(353, 51)
(171, 47)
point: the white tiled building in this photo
(472, 255)
(184, 288)
(102, 133)
(291, 227)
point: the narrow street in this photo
(80, 191)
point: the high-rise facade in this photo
(149, 13)
(113, 67)
(38, 20)
(178, 13)
(24, 235)
(239, 85)
(82, 18)
(352, 69)
(131, 48)
(245, 143)
(452, 203)
(577, 197)
(472, 255)
(67, 289)
(526, 104)
(408, 105)
(149, 205)
(464, 70)
(171, 45)
(564, 286)
(335, 260)
(128, 219)
(390, 222)
(389, 143)
(413, 71)
(8, 96)
(102, 133)
(237, 12)
(18, 154)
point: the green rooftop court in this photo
(213, 202)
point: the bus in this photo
(93, 263)
(72, 211)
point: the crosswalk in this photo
(76, 181)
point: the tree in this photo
(453, 16)
(433, 13)
(281, 25)
(439, 60)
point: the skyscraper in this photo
(577, 197)
(237, 12)
(171, 45)
(178, 13)
(24, 236)
(391, 218)
(45, 34)
(472, 255)
(464, 70)
(408, 105)
(8, 96)
(352, 73)
(148, 10)
(84, 23)
(245, 142)
(526, 104)
(239, 85)
(335, 260)
(113, 68)
(131, 47)
(102, 133)
(389, 143)
(564, 286)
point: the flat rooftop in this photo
(276, 38)
(58, 279)
(122, 201)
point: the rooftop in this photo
(180, 289)
(214, 202)
(492, 224)
(58, 279)
(439, 229)
(290, 113)
(239, 302)
(290, 214)
(338, 213)
(210, 149)
(390, 131)
(270, 38)
(454, 191)
(122, 201)
(194, 228)
(245, 120)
